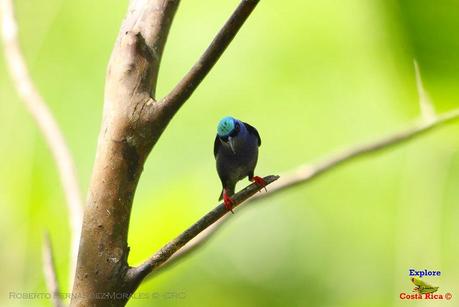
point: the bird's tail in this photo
(229, 191)
(221, 196)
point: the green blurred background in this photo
(313, 77)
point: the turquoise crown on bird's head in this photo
(225, 126)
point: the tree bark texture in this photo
(126, 138)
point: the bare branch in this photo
(309, 172)
(306, 173)
(43, 117)
(425, 103)
(135, 275)
(183, 90)
(49, 270)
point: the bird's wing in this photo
(253, 131)
(217, 144)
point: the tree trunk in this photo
(132, 124)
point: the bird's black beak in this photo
(231, 144)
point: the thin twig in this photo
(44, 119)
(309, 172)
(183, 90)
(161, 256)
(425, 103)
(49, 270)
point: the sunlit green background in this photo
(313, 77)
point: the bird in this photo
(236, 154)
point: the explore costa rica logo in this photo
(424, 290)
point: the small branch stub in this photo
(49, 270)
(425, 103)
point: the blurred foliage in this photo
(313, 77)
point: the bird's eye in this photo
(235, 130)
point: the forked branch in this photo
(133, 122)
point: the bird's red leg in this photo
(228, 202)
(260, 182)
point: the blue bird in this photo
(236, 153)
